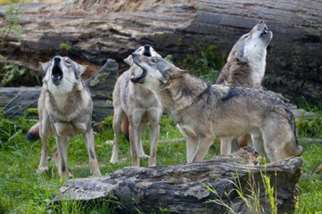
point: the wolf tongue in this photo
(57, 77)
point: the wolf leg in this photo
(202, 149)
(44, 132)
(226, 144)
(154, 144)
(133, 146)
(257, 142)
(117, 121)
(140, 147)
(90, 146)
(135, 122)
(191, 146)
(276, 134)
(43, 164)
(62, 156)
(155, 116)
(280, 140)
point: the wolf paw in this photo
(114, 160)
(42, 170)
(144, 156)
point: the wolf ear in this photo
(240, 54)
(44, 66)
(81, 69)
(129, 60)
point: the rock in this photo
(16, 100)
(101, 86)
(311, 140)
(96, 30)
(302, 114)
(190, 188)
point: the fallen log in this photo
(92, 30)
(192, 188)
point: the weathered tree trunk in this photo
(192, 188)
(95, 30)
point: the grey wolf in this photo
(138, 106)
(65, 109)
(204, 111)
(246, 62)
(245, 67)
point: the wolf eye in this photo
(265, 30)
(68, 62)
(154, 59)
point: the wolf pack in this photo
(236, 109)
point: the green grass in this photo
(310, 197)
(24, 191)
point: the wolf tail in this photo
(33, 133)
(298, 149)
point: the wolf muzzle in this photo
(139, 79)
(57, 73)
(147, 50)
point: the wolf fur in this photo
(136, 106)
(245, 66)
(65, 109)
(246, 62)
(204, 111)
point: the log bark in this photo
(193, 188)
(96, 30)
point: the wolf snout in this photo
(136, 58)
(57, 60)
(140, 78)
(57, 73)
(147, 51)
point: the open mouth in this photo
(265, 32)
(147, 51)
(139, 79)
(57, 74)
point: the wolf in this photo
(138, 106)
(204, 111)
(246, 62)
(65, 109)
(245, 67)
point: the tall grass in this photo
(250, 194)
(311, 127)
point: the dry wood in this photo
(185, 188)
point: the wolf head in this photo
(157, 71)
(62, 74)
(137, 74)
(253, 44)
